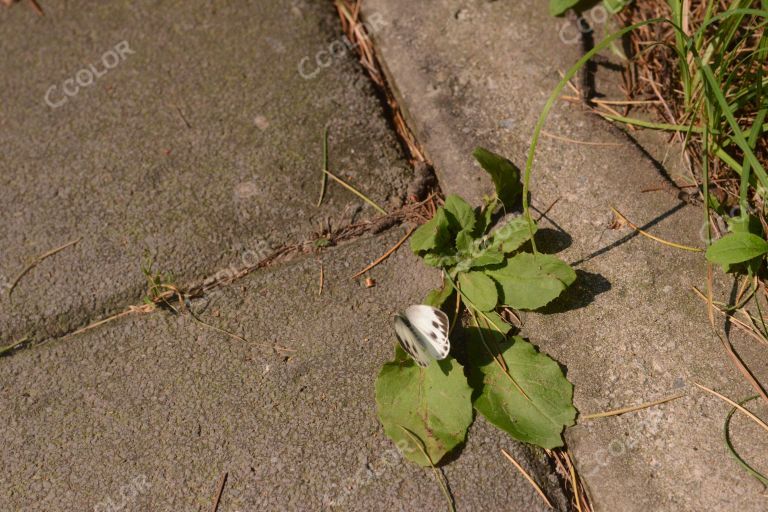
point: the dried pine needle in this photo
(528, 477)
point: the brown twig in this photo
(439, 476)
(624, 410)
(653, 237)
(37, 261)
(625, 102)
(738, 323)
(528, 477)
(548, 208)
(183, 117)
(13, 345)
(574, 141)
(571, 478)
(36, 7)
(727, 344)
(217, 498)
(355, 191)
(575, 483)
(741, 408)
(349, 14)
(275, 346)
(386, 254)
(144, 308)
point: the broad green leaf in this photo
(436, 298)
(541, 419)
(433, 235)
(460, 211)
(530, 281)
(505, 176)
(486, 258)
(440, 260)
(558, 7)
(480, 290)
(478, 257)
(497, 322)
(484, 216)
(745, 223)
(512, 234)
(434, 404)
(736, 248)
(464, 242)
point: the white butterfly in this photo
(423, 333)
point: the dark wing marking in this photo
(409, 341)
(430, 325)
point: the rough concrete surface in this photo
(201, 144)
(167, 402)
(477, 73)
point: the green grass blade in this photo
(651, 125)
(738, 135)
(726, 434)
(551, 102)
(324, 175)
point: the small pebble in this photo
(261, 122)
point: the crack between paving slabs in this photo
(414, 213)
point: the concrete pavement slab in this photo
(192, 131)
(150, 411)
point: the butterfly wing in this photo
(410, 342)
(423, 333)
(431, 327)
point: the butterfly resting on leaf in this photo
(423, 333)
